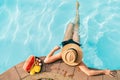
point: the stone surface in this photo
(55, 71)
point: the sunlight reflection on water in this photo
(36, 26)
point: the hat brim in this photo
(79, 51)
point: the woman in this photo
(71, 52)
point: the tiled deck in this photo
(54, 71)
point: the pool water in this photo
(34, 27)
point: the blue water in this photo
(34, 27)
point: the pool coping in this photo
(56, 71)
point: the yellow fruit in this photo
(37, 68)
(32, 71)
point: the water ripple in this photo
(35, 26)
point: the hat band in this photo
(76, 55)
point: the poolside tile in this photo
(53, 67)
(66, 70)
(118, 75)
(43, 64)
(57, 71)
(29, 78)
(20, 70)
(79, 75)
(99, 77)
(11, 74)
(106, 77)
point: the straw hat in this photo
(72, 54)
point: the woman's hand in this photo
(56, 48)
(111, 73)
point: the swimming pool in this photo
(34, 27)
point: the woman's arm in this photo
(50, 57)
(91, 72)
